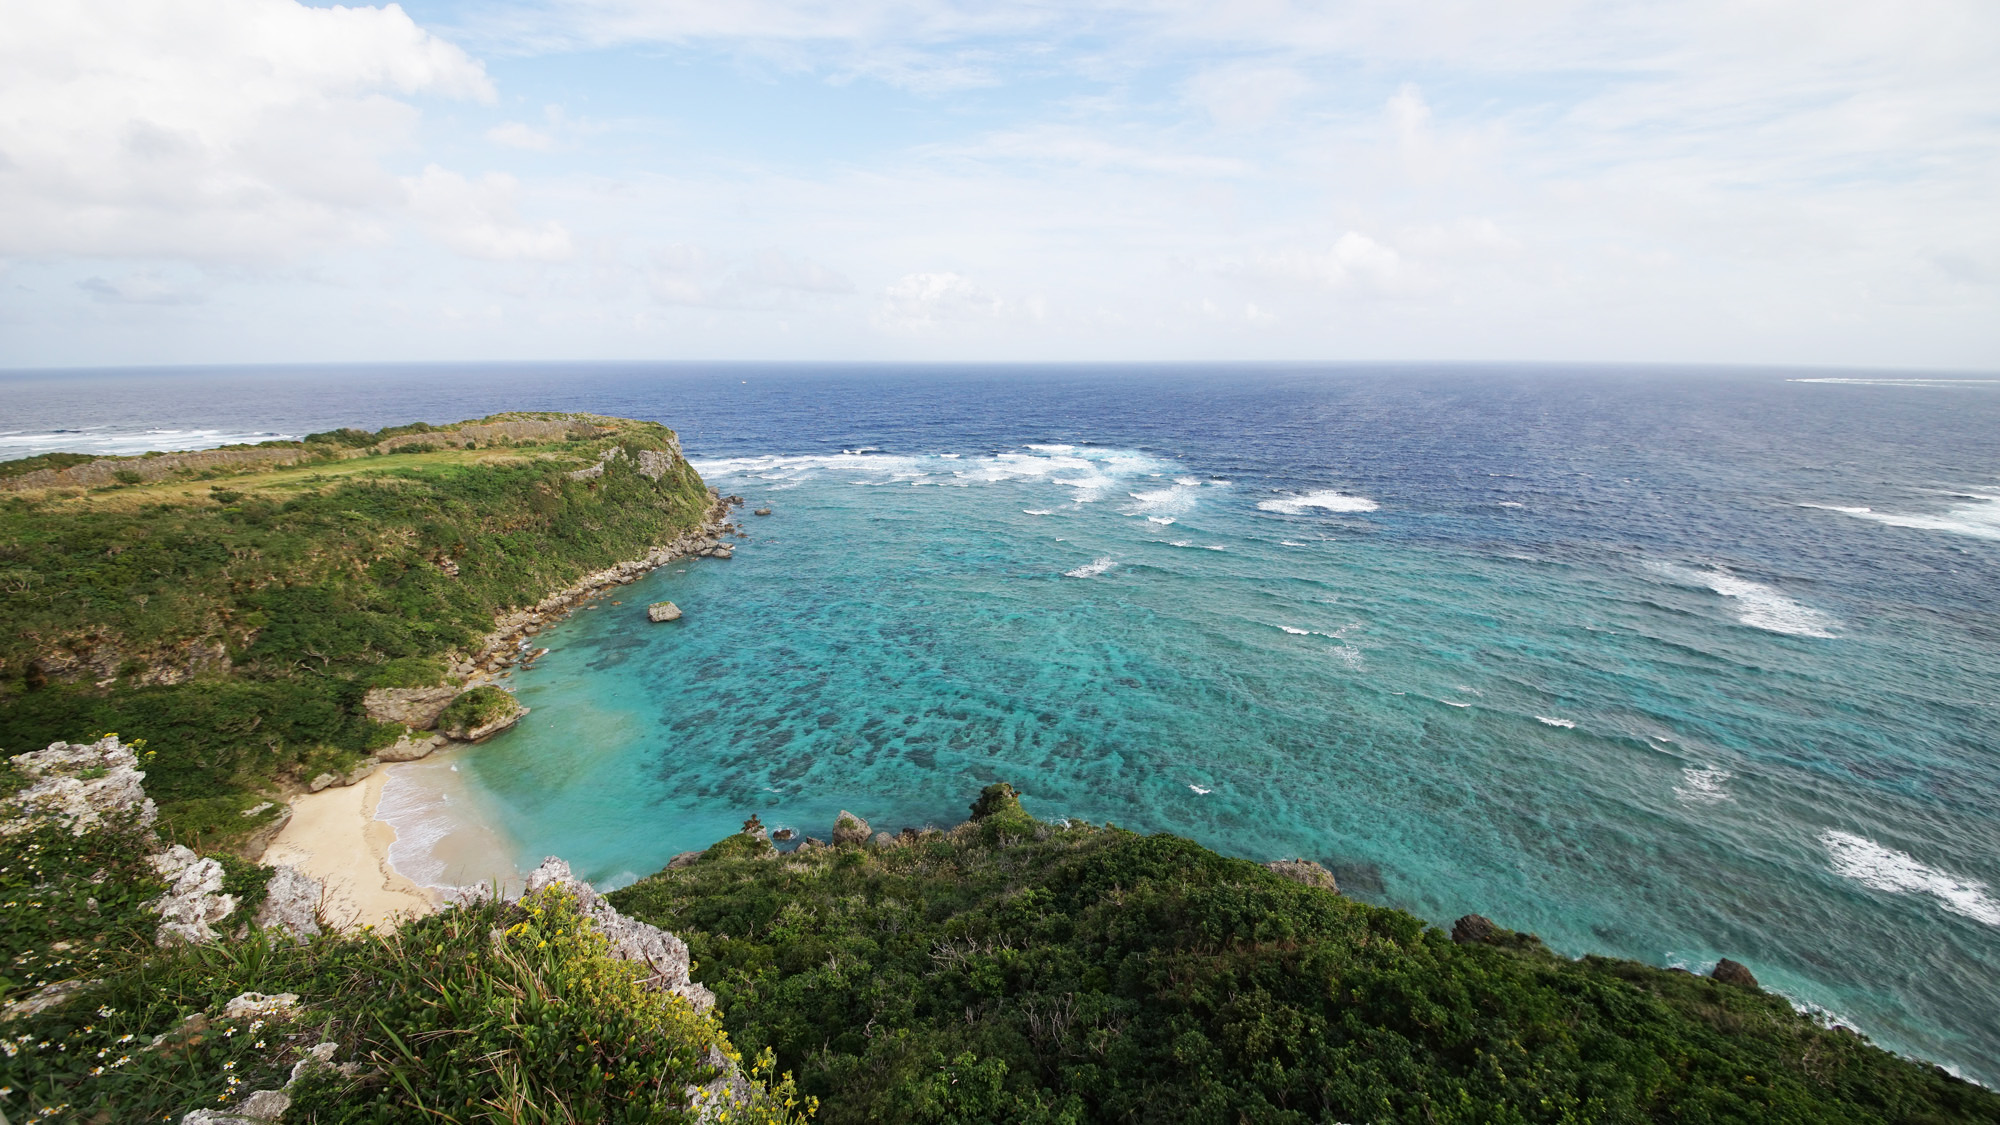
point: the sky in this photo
(1730, 181)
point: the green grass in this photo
(1014, 970)
(318, 582)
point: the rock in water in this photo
(1307, 872)
(663, 611)
(849, 829)
(1734, 972)
(763, 512)
(407, 749)
(630, 939)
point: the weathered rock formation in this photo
(194, 901)
(849, 829)
(1307, 872)
(663, 611)
(1734, 972)
(417, 708)
(78, 785)
(291, 902)
(630, 939)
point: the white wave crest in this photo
(1885, 869)
(1092, 569)
(1453, 703)
(1037, 512)
(1329, 500)
(123, 443)
(1757, 605)
(1703, 786)
(1566, 724)
(1161, 520)
(1979, 518)
(1091, 474)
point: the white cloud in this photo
(920, 303)
(208, 129)
(1245, 95)
(478, 218)
(515, 134)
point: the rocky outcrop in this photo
(1734, 973)
(665, 955)
(1307, 872)
(408, 749)
(417, 708)
(78, 786)
(663, 611)
(1477, 929)
(291, 903)
(762, 512)
(490, 727)
(194, 901)
(253, 845)
(849, 829)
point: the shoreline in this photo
(335, 836)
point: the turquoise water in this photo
(1664, 665)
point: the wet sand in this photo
(334, 837)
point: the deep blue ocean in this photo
(1667, 664)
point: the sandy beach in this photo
(334, 837)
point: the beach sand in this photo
(334, 837)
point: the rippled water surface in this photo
(1672, 665)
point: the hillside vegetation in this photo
(1016, 970)
(231, 607)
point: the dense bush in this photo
(1018, 971)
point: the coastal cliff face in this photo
(241, 612)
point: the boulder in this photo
(683, 860)
(408, 749)
(663, 611)
(194, 901)
(762, 512)
(1307, 872)
(629, 938)
(1474, 929)
(487, 730)
(1734, 972)
(77, 786)
(291, 902)
(360, 772)
(251, 1005)
(849, 829)
(885, 840)
(253, 845)
(321, 781)
(722, 553)
(412, 707)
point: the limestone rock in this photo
(1307, 872)
(407, 749)
(849, 829)
(251, 1005)
(194, 901)
(1734, 972)
(360, 772)
(488, 729)
(412, 707)
(762, 512)
(254, 845)
(291, 902)
(77, 786)
(316, 1057)
(629, 938)
(44, 998)
(321, 781)
(663, 611)
(685, 859)
(1474, 929)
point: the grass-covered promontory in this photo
(1021, 971)
(232, 607)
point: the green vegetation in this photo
(238, 627)
(25, 465)
(476, 708)
(1019, 971)
(490, 1013)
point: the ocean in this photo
(1661, 663)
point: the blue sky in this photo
(1776, 181)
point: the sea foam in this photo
(1703, 786)
(1757, 605)
(1979, 518)
(1092, 569)
(1885, 869)
(1328, 500)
